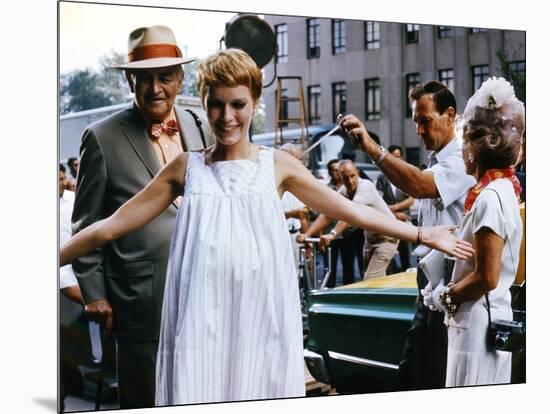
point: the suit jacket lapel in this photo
(135, 131)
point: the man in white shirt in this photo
(67, 280)
(441, 189)
(378, 249)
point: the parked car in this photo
(355, 333)
(335, 147)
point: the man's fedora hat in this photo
(153, 47)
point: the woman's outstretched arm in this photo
(292, 176)
(145, 206)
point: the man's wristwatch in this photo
(383, 153)
(333, 232)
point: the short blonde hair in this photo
(230, 67)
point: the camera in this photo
(507, 335)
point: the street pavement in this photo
(85, 402)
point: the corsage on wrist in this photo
(447, 301)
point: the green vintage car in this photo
(355, 333)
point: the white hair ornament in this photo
(492, 94)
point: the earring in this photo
(470, 158)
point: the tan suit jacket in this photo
(117, 160)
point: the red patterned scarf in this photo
(489, 176)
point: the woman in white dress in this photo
(231, 323)
(494, 125)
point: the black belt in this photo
(292, 231)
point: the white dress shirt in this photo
(452, 183)
(66, 275)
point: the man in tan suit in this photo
(123, 283)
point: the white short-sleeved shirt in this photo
(290, 202)
(505, 221)
(67, 277)
(367, 195)
(452, 183)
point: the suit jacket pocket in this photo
(132, 295)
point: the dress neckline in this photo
(256, 161)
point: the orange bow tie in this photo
(169, 128)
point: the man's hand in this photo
(401, 216)
(100, 311)
(353, 127)
(300, 238)
(325, 241)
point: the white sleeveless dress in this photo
(231, 323)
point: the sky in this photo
(89, 31)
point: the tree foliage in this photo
(87, 88)
(517, 79)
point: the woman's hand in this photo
(432, 297)
(442, 238)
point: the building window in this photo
(372, 98)
(411, 33)
(338, 37)
(314, 104)
(283, 108)
(313, 38)
(475, 30)
(338, 99)
(517, 68)
(372, 35)
(411, 80)
(281, 31)
(479, 75)
(444, 32)
(447, 76)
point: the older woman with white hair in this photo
(493, 133)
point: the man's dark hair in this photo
(442, 96)
(333, 161)
(62, 168)
(392, 148)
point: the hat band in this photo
(158, 50)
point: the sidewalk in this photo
(86, 401)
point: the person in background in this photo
(441, 189)
(73, 168)
(295, 212)
(494, 127)
(378, 249)
(334, 183)
(123, 282)
(79, 339)
(400, 204)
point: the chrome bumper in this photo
(316, 366)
